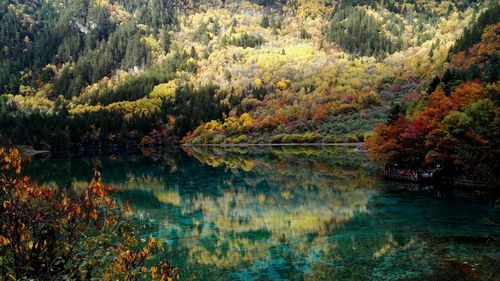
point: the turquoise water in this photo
(294, 214)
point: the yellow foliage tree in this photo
(282, 85)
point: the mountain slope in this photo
(130, 73)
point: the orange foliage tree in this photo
(47, 234)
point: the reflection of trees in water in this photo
(292, 167)
(132, 171)
(287, 167)
(304, 212)
(270, 200)
(242, 229)
(240, 204)
(241, 217)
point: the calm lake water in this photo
(294, 213)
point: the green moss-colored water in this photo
(294, 214)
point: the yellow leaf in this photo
(77, 209)
(6, 204)
(152, 240)
(282, 84)
(4, 241)
(93, 214)
(153, 270)
(258, 83)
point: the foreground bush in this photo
(48, 234)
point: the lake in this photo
(293, 213)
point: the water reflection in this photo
(289, 213)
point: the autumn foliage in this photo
(482, 52)
(52, 234)
(455, 129)
(453, 134)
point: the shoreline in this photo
(270, 144)
(29, 151)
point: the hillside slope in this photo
(127, 73)
(454, 129)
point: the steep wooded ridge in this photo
(110, 75)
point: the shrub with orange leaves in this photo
(130, 265)
(321, 112)
(46, 234)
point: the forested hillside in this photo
(112, 75)
(453, 128)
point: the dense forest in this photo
(105, 75)
(360, 33)
(453, 128)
